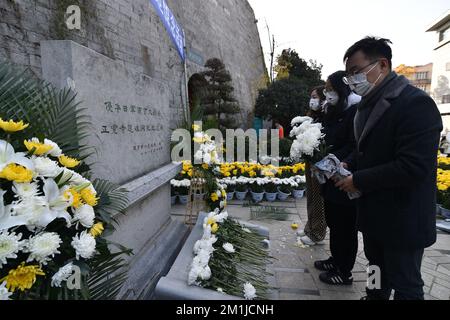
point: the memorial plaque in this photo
(129, 111)
(130, 130)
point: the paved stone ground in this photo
(297, 279)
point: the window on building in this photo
(422, 75)
(446, 98)
(444, 34)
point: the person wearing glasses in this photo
(340, 211)
(397, 131)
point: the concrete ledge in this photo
(142, 187)
(153, 261)
(174, 286)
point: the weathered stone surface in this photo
(130, 133)
(128, 111)
(121, 28)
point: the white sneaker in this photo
(301, 233)
(307, 241)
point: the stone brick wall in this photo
(131, 32)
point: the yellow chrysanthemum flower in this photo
(22, 278)
(224, 193)
(235, 172)
(196, 127)
(17, 173)
(89, 197)
(39, 148)
(294, 226)
(97, 230)
(214, 197)
(205, 166)
(12, 126)
(214, 228)
(210, 221)
(76, 198)
(69, 162)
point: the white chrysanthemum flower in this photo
(62, 275)
(85, 215)
(194, 274)
(84, 245)
(10, 245)
(220, 290)
(228, 247)
(46, 167)
(55, 151)
(43, 247)
(25, 190)
(249, 291)
(4, 293)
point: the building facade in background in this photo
(419, 76)
(440, 85)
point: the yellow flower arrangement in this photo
(22, 278)
(16, 173)
(37, 147)
(69, 162)
(89, 197)
(214, 197)
(12, 126)
(97, 230)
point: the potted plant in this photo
(271, 191)
(284, 191)
(444, 199)
(230, 191)
(241, 191)
(173, 195)
(298, 191)
(257, 191)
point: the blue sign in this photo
(171, 24)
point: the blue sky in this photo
(324, 29)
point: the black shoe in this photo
(325, 265)
(336, 278)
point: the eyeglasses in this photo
(346, 80)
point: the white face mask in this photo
(314, 104)
(332, 98)
(359, 84)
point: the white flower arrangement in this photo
(84, 245)
(85, 215)
(4, 293)
(249, 291)
(228, 247)
(308, 138)
(43, 247)
(10, 245)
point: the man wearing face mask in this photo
(397, 130)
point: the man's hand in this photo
(347, 185)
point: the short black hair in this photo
(373, 48)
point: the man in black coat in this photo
(397, 129)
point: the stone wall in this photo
(130, 31)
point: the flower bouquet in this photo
(49, 228)
(309, 143)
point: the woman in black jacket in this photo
(340, 211)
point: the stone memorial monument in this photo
(130, 131)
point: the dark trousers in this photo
(400, 271)
(341, 219)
